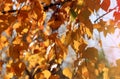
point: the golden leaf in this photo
(76, 45)
(8, 7)
(67, 73)
(3, 39)
(46, 73)
(85, 72)
(16, 25)
(25, 30)
(46, 43)
(88, 32)
(8, 75)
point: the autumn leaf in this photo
(46, 73)
(31, 44)
(47, 2)
(14, 51)
(54, 77)
(73, 14)
(90, 53)
(76, 45)
(85, 72)
(117, 16)
(67, 73)
(18, 68)
(105, 4)
(1, 63)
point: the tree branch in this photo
(45, 7)
(105, 14)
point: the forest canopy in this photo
(36, 37)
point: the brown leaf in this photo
(21, 1)
(52, 36)
(62, 46)
(68, 38)
(54, 77)
(90, 53)
(39, 76)
(14, 51)
(47, 2)
(1, 63)
(18, 68)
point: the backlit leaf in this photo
(67, 73)
(47, 74)
(76, 45)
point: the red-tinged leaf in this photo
(21, 1)
(8, 1)
(36, 51)
(3, 27)
(117, 16)
(1, 63)
(53, 36)
(118, 3)
(105, 4)
(14, 52)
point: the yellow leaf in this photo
(17, 40)
(88, 32)
(25, 30)
(80, 2)
(47, 74)
(16, 25)
(62, 39)
(67, 73)
(8, 6)
(3, 38)
(76, 45)
(97, 26)
(46, 43)
(85, 72)
(8, 75)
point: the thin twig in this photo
(105, 14)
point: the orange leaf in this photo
(18, 68)
(1, 63)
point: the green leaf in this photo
(73, 14)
